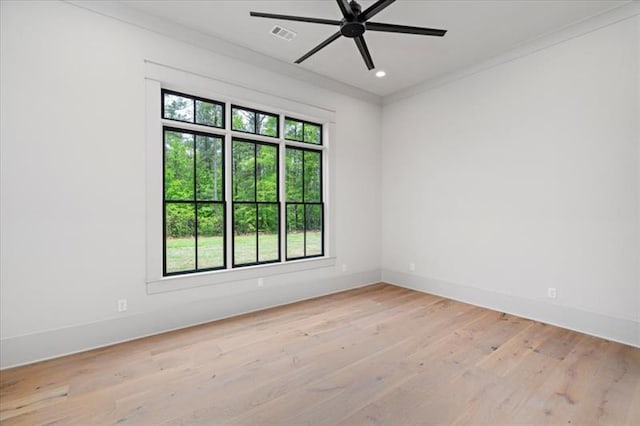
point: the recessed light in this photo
(380, 74)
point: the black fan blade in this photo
(345, 8)
(320, 46)
(295, 18)
(362, 47)
(390, 28)
(373, 10)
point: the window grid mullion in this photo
(255, 195)
(304, 207)
(228, 190)
(282, 195)
(195, 198)
(164, 194)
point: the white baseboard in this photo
(616, 329)
(27, 349)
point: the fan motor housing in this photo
(352, 29)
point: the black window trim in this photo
(305, 203)
(255, 112)
(304, 122)
(257, 203)
(195, 203)
(322, 236)
(194, 98)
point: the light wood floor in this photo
(379, 355)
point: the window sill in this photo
(183, 282)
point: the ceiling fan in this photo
(353, 25)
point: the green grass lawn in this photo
(181, 251)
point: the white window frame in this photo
(160, 77)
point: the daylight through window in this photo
(265, 221)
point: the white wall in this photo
(522, 177)
(73, 184)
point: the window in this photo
(302, 131)
(305, 210)
(274, 185)
(191, 109)
(194, 213)
(253, 121)
(256, 208)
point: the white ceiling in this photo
(477, 31)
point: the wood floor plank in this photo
(374, 355)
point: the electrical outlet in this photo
(260, 282)
(122, 305)
(412, 267)
(551, 293)
(344, 267)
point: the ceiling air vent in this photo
(283, 33)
